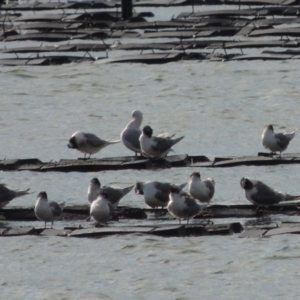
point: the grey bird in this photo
(47, 211)
(156, 146)
(156, 194)
(6, 195)
(260, 194)
(101, 209)
(131, 134)
(114, 195)
(276, 141)
(181, 206)
(202, 190)
(88, 143)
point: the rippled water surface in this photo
(220, 108)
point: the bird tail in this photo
(113, 142)
(212, 180)
(166, 135)
(62, 205)
(22, 193)
(292, 134)
(182, 186)
(127, 190)
(288, 197)
(175, 141)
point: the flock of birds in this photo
(180, 204)
(135, 139)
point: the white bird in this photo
(181, 206)
(6, 195)
(201, 190)
(131, 133)
(156, 194)
(47, 211)
(101, 209)
(156, 147)
(114, 195)
(276, 141)
(260, 194)
(88, 143)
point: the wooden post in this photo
(126, 9)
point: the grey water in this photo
(220, 107)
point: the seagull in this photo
(181, 206)
(156, 147)
(47, 211)
(201, 190)
(114, 195)
(260, 194)
(156, 194)
(6, 195)
(101, 209)
(88, 143)
(276, 141)
(131, 133)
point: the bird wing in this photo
(266, 195)
(55, 208)
(162, 144)
(192, 207)
(211, 188)
(282, 140)
(132, 136)
(113, 194)
(6, 194)
(163, 190)
(94, 141)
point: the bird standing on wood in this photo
(276, 141)
(88, 143)
(201, 190)
(101, 209)
(156, 147)
(131, 134)
(156, 194)
(260, 194)
(47, 211)
(114, 195)
(181, 206)
(6, 195)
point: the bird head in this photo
(195, 174)
(74, 140)
(147, 130)
(246, 183)
(95, 183)
(175, 190)
(42, 195)
(138, 188)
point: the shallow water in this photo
(220, 108)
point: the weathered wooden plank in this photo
(294, 31)
(262, 57)
(155, 58)
(129, 162)
(103, 231)
(285, 228)
(55, 232)
(18, 231)
(253, 233)
(49, 37)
